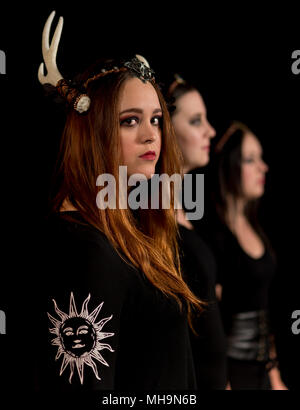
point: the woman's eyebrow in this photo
(139, 110)
(254, 153)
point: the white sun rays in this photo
(78, 338)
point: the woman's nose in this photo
(211, 132)
(263, 166)
(149, 133)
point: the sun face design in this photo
(78, 338)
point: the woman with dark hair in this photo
(194, 133)
(114, 310)
(246, 262)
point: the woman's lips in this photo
(262, 181)
(150, 155)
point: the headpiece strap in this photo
(177, 80)
(73, 96)
(102, 74)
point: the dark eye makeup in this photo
(196, 120)
(133, 120)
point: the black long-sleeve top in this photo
(209, 345)
(101, 325)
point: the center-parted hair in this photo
(227, 177)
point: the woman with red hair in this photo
(114, 309)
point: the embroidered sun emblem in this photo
(78, 338)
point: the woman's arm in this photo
(79, 309)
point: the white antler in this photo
(143, 60)
(49, 53)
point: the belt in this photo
(248, 338)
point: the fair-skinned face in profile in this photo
(253, 168)
(193, 130)
(140, 127)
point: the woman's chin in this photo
(201, 163)
(146, 171)
(255, 195)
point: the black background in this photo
(238, 56)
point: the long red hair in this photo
(90, 146)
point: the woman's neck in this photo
(181, 219)
(235, 215)
(186, 169)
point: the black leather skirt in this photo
(248, 338)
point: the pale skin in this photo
(193, 132)
(140, 129)
(253, 171)
(190, 108)
(140, 117)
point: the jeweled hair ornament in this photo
(140, 66)
(80, 101)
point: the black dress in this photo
(246, 284)
(285, 309)
(209, 346)
(101, 325)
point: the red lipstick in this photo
(149, 155)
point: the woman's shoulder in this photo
(71, 227)
(71, 223)
(69, 240)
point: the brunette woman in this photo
(246, 262)
(194, 134)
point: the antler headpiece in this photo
(139, 66)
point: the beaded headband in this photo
(177, 80)
(234, 126)
(80, 101)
